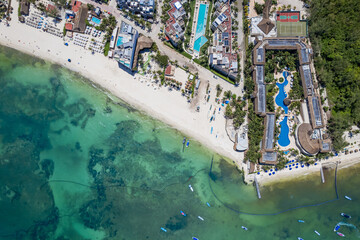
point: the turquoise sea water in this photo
(76, 163)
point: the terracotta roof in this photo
(75, 5)
(168, 70)
(69, 26)
(309, 145)
(50, 7)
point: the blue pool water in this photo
(284, 133)
(119, 41)
(199, 43)
(200, 39)
(279, 100)
(96, 20)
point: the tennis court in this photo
(292, 29)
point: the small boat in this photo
(194, 238)
(348, 198)
(301, 221)
(336, 228)
(163, 229)
(299, 238)
(182, 213)
(187, 144)
(184, 141)
(199, 217)
(345, 215)
(317, 232)
(191, 188)
(245, 228)
(208, 204)
(340, 234)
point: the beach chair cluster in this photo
(37, 21)
(97, 46)
(81, 40)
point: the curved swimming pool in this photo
(279, 100)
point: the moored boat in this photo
(194, 238)
(317, 232)
(340, 234)
(187, 143)
(199, 217)
(345, 215)
(348, 198)
(191, 188)
(336, 228)
(163, 229)
(245, 228)
(301, 221)
(299, 238)
(182, 213)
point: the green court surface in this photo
(292, 29)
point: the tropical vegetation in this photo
(335, 37)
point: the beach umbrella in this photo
(296, 166)
(269, 174)
(290, 168)
(258, 173)
(69, 60)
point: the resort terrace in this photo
(312, 141)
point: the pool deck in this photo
(194, 25)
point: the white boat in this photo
(348, 198)
(191, 188)
(245, 228)
(317, 232)
(199, 217)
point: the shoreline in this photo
(344, 161)
(168, 107)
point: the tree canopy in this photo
(335, 36)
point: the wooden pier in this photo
(257, 187)
(322, 174)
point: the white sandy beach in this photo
(344, 161)
(169, 107)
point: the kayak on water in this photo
(340, 234)
(191, 188)
(336, 228)
(163, 229)
(245, 228)
(317, 232)
(182, 213)
(301, 221)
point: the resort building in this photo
(143, 7)
(221, 56)
(175, 25)
(268, 154)
(126, 45)
(310, 135)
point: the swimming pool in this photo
(279, 100)
(201, 27)
(284, 133)
(119, 41)
(96, 20)
(199, 43)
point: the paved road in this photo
(204, 74)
